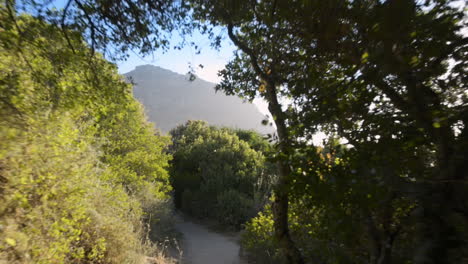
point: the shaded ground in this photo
(203, 246)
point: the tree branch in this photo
(63, 25)
(91, 24)
(247, 50)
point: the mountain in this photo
(170, 99)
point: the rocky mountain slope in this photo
(170, 99)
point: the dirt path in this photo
(203, 246)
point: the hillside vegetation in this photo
(220, 173)
(81, 170)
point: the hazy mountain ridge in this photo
(170, 99)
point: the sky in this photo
(180, 60)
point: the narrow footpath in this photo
(203, 246)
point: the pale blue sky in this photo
(180, 60)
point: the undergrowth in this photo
(82, 173)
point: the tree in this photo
(344, 209)
(112, 27)
(349, 67)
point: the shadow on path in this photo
(203, 246)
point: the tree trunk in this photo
(281, 202)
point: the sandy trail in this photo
(203, 246)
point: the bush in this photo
(80, 168)
(257, 243)
(159, 218)
(196, 204)
(217, 175)
(233, 208)
(55, 208)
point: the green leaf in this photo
(364, 57)
(414, 61)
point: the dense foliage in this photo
(80, 168)
(389, 79)
(112, 27)
(343, 214)
(218, 175)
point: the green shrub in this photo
(233, 208)
(217, 175)
(257, 243)
(196, 204)
(80, 168)
(55, 208)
